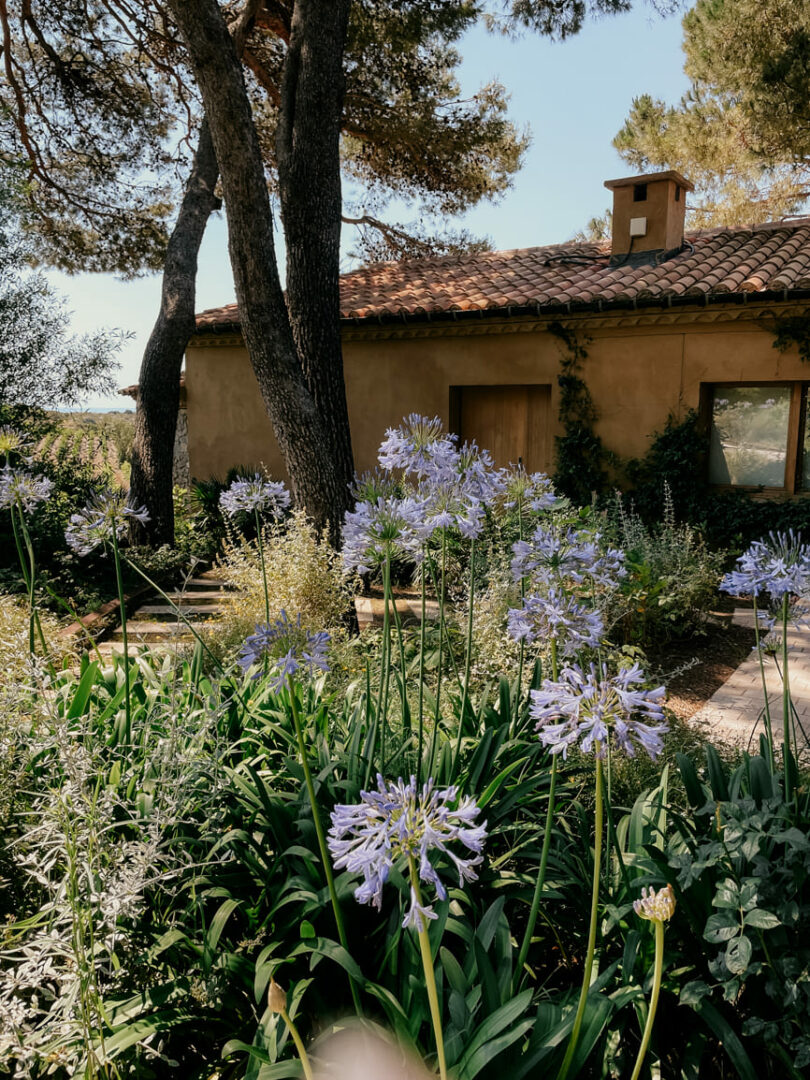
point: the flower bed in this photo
(213, 867)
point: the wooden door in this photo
(512, 422)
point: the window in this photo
(639, 192)
(759, 437)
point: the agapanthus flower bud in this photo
(23, 489)
(104, 516)
(400, 820)
(255, 494)
(288, 646)
(594, 707)
(656, 906)
(276, 998)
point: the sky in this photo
(573, 96)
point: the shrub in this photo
(304, 575)
(672, 576)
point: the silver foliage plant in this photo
(93, 853)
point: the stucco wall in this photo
(637, 375)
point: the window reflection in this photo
(749, 436)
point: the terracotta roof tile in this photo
(716, 262)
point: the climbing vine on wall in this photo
(580, 455)
(794, 330)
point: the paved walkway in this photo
(734, 712)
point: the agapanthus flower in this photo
(400, 820)
(593, 707)
(376, 484)
(104, 516)
(419, 447)
(476, 474)
(776, 567)
(13, 441)
(373, 532)
(23, 489)
(447, 505)
(656, 906)
(534, 491)
(288, 647)
(255, 495)
(552, 555)
(556, 616)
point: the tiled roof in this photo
(717, 264)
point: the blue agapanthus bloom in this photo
(556, 616)
(23, 489)
(552, 555)
(255, 494)
(420, 447)
(399, 820)
(776, 567)
(476, 474)
(593, 707)
(375, 531)
(288, 647)
(534, 491)
(103, 517)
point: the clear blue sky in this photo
(573, 96)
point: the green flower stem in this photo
(299, 1044)
(385, 659)
(446, 635)
(437, 712)
(421, 707)
(541, 873)
(468, 660)
(656, 990)
(401, 643)
(588, 969)
(28, 568)
(522, 647)
(316, 817)
(541, 879)
(786, 707)
(430, 976)
(122, 604)
(768, 723)
(260, 543)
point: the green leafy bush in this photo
(672, 576)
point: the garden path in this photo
(734, 712)
(154, 624)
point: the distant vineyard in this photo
(101, 441)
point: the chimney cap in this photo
(650, 178)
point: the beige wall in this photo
(637, 376)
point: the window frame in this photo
(797, 420)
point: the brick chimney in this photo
(648, 213)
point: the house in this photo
(669, 322)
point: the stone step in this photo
(157, 648)
(198, 596)
(371, 610)
(207, 583)
(142, 630)
(191, 612)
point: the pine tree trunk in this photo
(302, 390)
(308, 154)
(159, 381)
